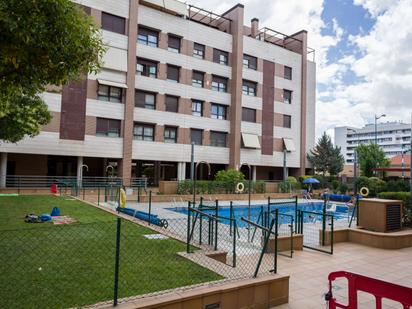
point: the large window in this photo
(170, 135)
(148, 36)
(248, 114)
(145, 99)
(197, 108)
(218, 111)
(109, 93)
(220, 56)
(196, 136)
(219, 83)
(146, 68)
(172, 104)
(113, 23)
(249, 62)
(288, 73)
(197, 79)
(143, 132)
(199, 51)
(287, 96)
(249, 88)
(108, 127)
(287, 121)
(173, 43)
(218, 139)
(173, 73)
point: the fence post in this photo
(234, 244)
(98, 195)
(150, 206)
(116, 265)
(216, 222)
(188, 228)
(265, 244)
(323, 223)
(275, 261)
(138, 194)
(296, 212)
(231, 217)
(331, 237)
(291, 238)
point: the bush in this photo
(376, 186)
(343, 188)
(259, 187)
(362, 181)
(292, 179)
(397, 186)
(218, 187)
(335, 185)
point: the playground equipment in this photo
(378, 288)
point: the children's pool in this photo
(240, 211)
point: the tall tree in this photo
(325, 157)
(43, 42)
(371, 156)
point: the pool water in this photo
(255, 211)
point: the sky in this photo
(363, 53)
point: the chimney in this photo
(254, 27)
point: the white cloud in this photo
(375, 7)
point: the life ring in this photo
(364, 191)
(122, 198)
(240, 187)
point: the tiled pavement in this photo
(309, 270)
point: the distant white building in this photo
(393, 137)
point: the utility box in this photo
(380, 215)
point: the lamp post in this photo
(249, 193)
(194, 180)
(410, 169)
(376, 126)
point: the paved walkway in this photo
(308, 272)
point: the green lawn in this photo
(49, 266)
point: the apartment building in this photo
(393, 137)
(174, 75)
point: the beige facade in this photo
(249, 84)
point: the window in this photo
(173, 73)
(219, 83)
(287, 96)
(249, 88)
(248, 114)
(147, 36)
(220, 56)
(217, 139)
(197, 108)
(107, 127)
(143, 132)
(146, 68)
(199, 51)
(109, 93)
(249, 62)
(170, 135)
(173, 43)
(218, 111)
(145, 99)
(113, 23)
(172, 104)
(196, 136)
(197, 79)
(287, 121)
(288, 73)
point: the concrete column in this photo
(3, 169)
(79, 171)
(181, 170)
(253, 173)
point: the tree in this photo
(43, 42)
(325, 157)
(371, 156)
(230, 176)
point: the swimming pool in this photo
(255, 210)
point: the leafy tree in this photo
(230, 175)
(325, 157)
(371, 156)
(43, 42)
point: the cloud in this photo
(375, 7)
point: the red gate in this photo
(378, 288)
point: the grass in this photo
(49, 266)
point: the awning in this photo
(289, 144)
(110, 83)
(250, 141)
